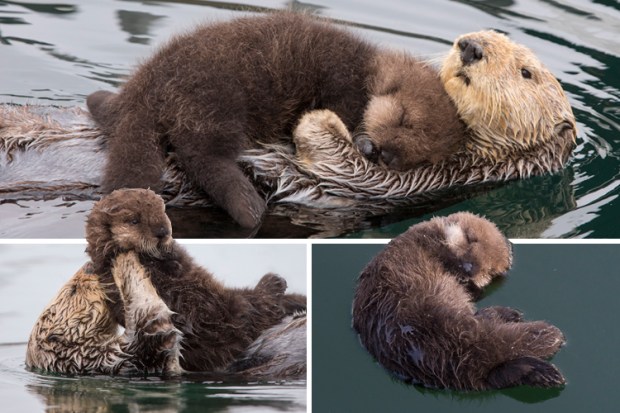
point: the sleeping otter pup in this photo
(222, 88)
(217, 323)
(413, 310)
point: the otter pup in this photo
(177, 316)
(222, 88)
(413, 310)
(217, 323)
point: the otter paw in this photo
(497, 312)
(271, 284)
(543, 339)
(530, 371)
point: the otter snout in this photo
(471, 51)
(367, 147)
(374, 153)
(162, 232)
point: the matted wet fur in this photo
(414, 311)
(177, 316)
(77, 334)
(222, 88)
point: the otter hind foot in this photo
(529, 371)
(271, 284)
(543, 339)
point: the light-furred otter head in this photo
(511, 103)
(128, 219)
(473, 250)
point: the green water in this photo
(572, 286)
(57, 53)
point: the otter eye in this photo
(526, 74)
(135, 221)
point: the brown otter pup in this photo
(413, 310)
(176, 315)
(209, 94)
(217, 323)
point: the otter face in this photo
(409, 119)
(388, 125)
(129, 219)
(505, 95)
(475, 250)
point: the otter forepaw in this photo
(497, 312)
(530, 371)
(322, 120)
(271, 284)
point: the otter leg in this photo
(76, 333)
(507, 314)
(527, 370)
(136, 158)
(215, 170)
(153, 341)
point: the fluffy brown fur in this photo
(217, 323)
(209, 94)
(413, 310)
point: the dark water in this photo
(30, 276)
(57, 53)
(572, 286)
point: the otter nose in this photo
(471, 51)
(162, 232)
(366, 147)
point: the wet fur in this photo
(76, 333)
(217, 323)
(413, 310)
(209, 94)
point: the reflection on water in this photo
(106, 394)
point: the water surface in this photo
(57, 53)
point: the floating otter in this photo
(177, 316)
(209, 94)
(32, 144)
(413, 310)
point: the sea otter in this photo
(413, 311)
(176, 315)
(222, 88)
